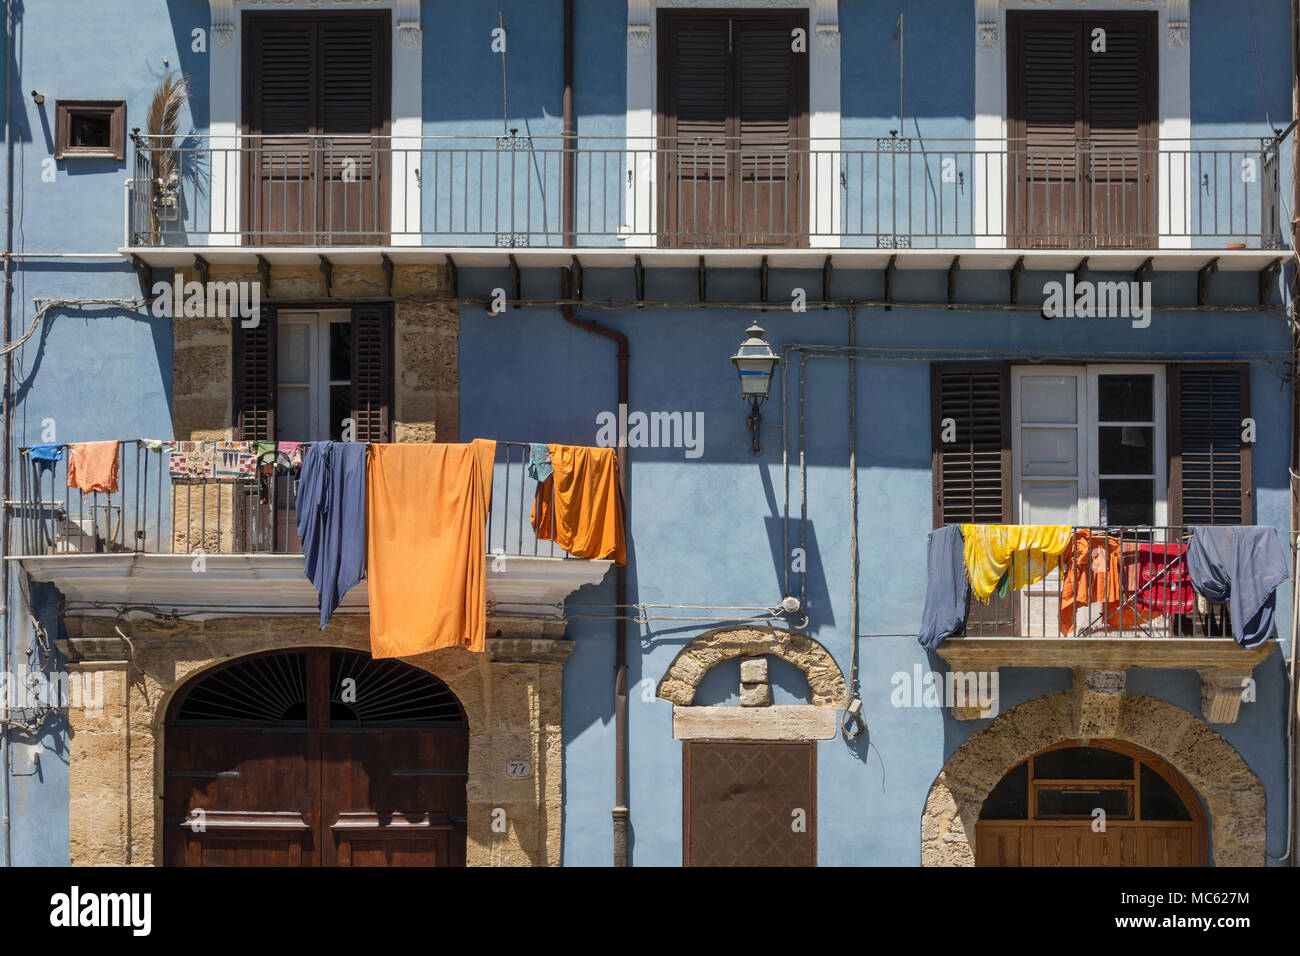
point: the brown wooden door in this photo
(749, 803)
(316, 104)
(733, 130)
(1082, 148)
(315, 758)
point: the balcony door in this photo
(1082, 130)
(316, 111)
(733, 129)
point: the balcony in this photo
(213, 547)
(236, 197)
(1122, 597)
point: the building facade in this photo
(1018, 262)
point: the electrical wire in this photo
(45, 305)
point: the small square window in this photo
(90, 128)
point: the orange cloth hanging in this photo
(580, 506)
(426, 547)
(1092, 572)
(92, 466)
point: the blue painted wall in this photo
(704, 531)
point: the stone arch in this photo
(825, 679)
(1231, 791)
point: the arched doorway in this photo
(1092, 803)
(315, 757)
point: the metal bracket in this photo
(264, 270)
(890, 269)
(516, 283)
(1143, 272)
(639, 271)
(1267, 276)
(576, 270)
(703, 280)
(762, 280)
(387, 265)
(201, 267)
(327, 270)
(953, 268)
(453, 278)
(1203, 280)
(1017, 271)
(145, 277)
(826, 282)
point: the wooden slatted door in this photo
(1082, 130)
(749, 803)
(1210, 478)
(316, 92)
(315, 758)
(733, 129)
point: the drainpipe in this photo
(1293, 798)
(6, 759)
(620, 811)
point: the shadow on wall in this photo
(721, 685)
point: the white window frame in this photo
(823, 112)
(226, 83)
(1174, 108)
(318, 368)
(1089, 476)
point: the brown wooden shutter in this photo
(1209, 465)
(372, 375)
(255, 378)
(972, 476)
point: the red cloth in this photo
(1164, 585)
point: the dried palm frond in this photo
(163, 125)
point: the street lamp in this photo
(755, 362)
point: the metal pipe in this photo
(620, 810)
(1292, 716)
(6, 760)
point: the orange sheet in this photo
(580, 507)
(92, 466)
(1092, 572)
(426, 547)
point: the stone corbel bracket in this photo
(1099, 667)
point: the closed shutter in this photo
(255, 374)
(372, 376)
(1209, 464)
(1080, 121)
(734, 123)
(768, 127)
(307, 77)
(972, 475)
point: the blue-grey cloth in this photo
(45, 455)
(947, 589)
(332, 519)
(1242, 565)
(539, 464)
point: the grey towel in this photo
(947, 589)
(1243, 566)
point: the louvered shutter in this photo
(372, 376)
(281, 90)
(352, 111)
(696, 66)
(1119, 113)
(769, 107)
(734, 118)
(1209, 464)
(255, 377)
(1079, 121)
(972, 475)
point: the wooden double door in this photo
(315, 758)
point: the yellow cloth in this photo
(92, 466)
(580, 507)
(990, 547)
(426, 548)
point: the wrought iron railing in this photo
(878, 192)
(155, 512)
(1110, 582)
